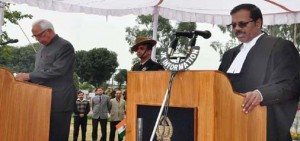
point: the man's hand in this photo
(252, 99)
(22, 76)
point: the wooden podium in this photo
(218, 112)
(24, 110)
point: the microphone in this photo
(205, 34)
(185, 34)
(9, 41)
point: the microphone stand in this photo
(164, 105)
(166, 101)
(173, 45)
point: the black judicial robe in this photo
(271, 66)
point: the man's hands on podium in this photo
(252, 99)
(22, 76)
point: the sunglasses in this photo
(241, 24)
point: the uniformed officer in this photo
(143, 48)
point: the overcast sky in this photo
(86, 32)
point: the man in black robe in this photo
(265, 70)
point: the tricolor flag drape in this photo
(121, 128)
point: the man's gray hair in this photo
(44, 24)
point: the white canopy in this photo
(204, 11)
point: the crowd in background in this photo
(106, 105)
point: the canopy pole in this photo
(154, 34)
(2, 4)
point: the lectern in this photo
(217, 112)
(24, 109)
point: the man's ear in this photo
(258, 23)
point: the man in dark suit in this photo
(54, 67)
(143, 48)
(263, 69)
(100, 105)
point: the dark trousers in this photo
(60, 126)
(103, 124)
(113, 131)
(77, 123)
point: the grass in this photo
(89, 131)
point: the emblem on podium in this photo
(164, 131)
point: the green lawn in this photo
(89, 131)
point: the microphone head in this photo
(205, 34)
(10, 41)
(14, 41)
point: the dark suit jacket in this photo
(272, 67)
(54, 67)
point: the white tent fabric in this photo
(98, 7)
(204, 11)
(217, 11)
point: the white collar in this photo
(250, 44)
(237, 64)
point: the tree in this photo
(5, 56)
(96, 66)
(86, 86)
(12, 17)
(144, 27)
(165, 31)
(18, 59)
(183, 43)
(76, 81)
(222, 48)
(24, 58)
(121, 77)
(288, 32)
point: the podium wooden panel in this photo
(219, 114)
(24, 110)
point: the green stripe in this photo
(122, 134)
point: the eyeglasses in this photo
(241, 24)
(39, 35)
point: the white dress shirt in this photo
(239, 60)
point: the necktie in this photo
(100, 99)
